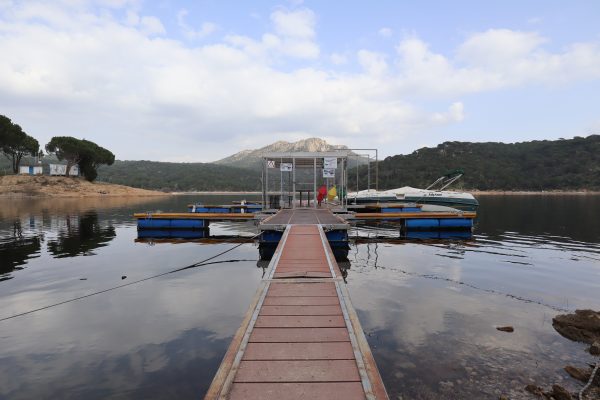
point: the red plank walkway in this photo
(301, 338)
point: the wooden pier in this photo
(301, 337)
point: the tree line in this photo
(565, 164)
(167, 176)
(16, 143)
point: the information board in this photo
(328, 172)
(330, 162)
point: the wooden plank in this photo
(318, 268)
(299, 290)
(298, 391)
(299, 351)
(302, 274)
(310, 285)
(421, 214)
(300, 301)
(300, 321)
(303, 267)
(295, 262)
(218, 216)
(297, 335)
(301, 310)
(298, 371)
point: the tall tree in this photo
(88, 155)
(67, 148)
(93, 157)
(15, 143)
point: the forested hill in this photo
(566, 164)
(572, 164)
(180, 176)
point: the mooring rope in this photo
(587, 385)
(197, 264)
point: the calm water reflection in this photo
(429, 307)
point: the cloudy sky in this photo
(199, 80)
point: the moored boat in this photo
(461, 200)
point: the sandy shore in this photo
(18, 186)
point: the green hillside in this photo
(179, 176)
(572, 164)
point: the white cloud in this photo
(151, 26)
(385, 32)
(297, 24)
(294, 37)
(496, 48)
(338, 59)
(117, 80)
(373, 63)
(206, 29)
(297, 32)
(492, 60)
(455, 113)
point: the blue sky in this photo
(199, 80)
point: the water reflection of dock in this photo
(301, 337)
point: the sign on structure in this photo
(286, 167)
(330, 162)
(328, 172)
(270, 164)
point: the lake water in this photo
(429, 307)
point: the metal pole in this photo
(369, 173)
(343, 183)
(376, 171)
(266, 185)
(294, 183)
(357, 162)
(315, 182)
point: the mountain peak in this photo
(251, 158)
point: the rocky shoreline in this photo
(582, 326)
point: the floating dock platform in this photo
(272, 223)
(301, 337)
(334, 226)
(187, 220)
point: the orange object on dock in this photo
(301, 338)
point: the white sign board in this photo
(58, 169)
(328, 172)
(329, 162)
(286, 167)
(270, 164)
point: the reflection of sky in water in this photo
(429, 307)
(158, 339)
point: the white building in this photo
(31, 170)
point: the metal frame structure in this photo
(302, 161)
(369, 160)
